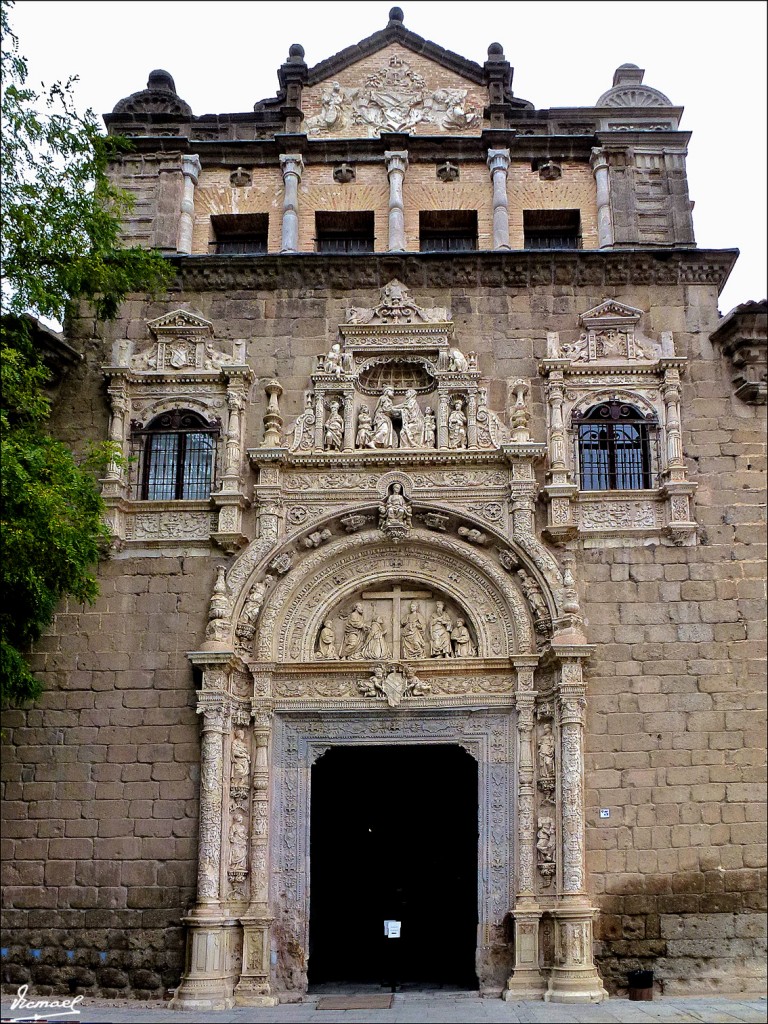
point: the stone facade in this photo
(399, 543)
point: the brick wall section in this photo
(422, 190)
(100, 778)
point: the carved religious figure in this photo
(384, 435)
(331, 116)
(430, 428)
(334, 429)
(376, 647)
(412, 432)
(547, 752)
(326, 643)
(457, 426)
(457, 361)
(440, 628)
(238, 843)
(413, 629)
(304, 427)
(533, 596)
(462, 641)
(395, 513)
(355, 632)
(364, 436)
(545, 844)
(240, 760)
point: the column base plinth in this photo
(525, 983)
(574, 985)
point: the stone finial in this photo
(161, 81)
(295, 53)
(496, 52)
(396, 15)
(219, 612)
(519, 424)
(273, 421)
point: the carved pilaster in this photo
(526, 981)
(574, 977)
(190, 168)
(498, 165)
(253, 989)
(397, 163)
(114, 479)
(215, 720)
(234, 448)
(292, 166)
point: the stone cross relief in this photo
(398, 624)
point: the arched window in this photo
(616, 448)
(176, 457)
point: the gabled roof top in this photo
(396, 32)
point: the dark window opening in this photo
(240, 234)
(176, 455)
(615, 449)
(552, 229)
(344, 232)
(447, 230)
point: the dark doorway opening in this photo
(394, 835)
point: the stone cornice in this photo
(516, 270)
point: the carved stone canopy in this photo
(628, 90)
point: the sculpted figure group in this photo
(368, 639)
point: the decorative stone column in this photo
(349, 421)
(292, 166)
(526, 981)
(599, 163)
(114, 479)
(670, 390)
(253, 989)
(472, 420)
(397, 164)
(560, 490)
(207, 983)
(190, 168)
(442, 421)
(235, 404)
(498, 164)
(273, 421)
(574, 977)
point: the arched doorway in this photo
(394, 835)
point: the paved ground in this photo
(430, 1008)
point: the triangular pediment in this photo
(180, 322)
(396, 33)
(610, 312)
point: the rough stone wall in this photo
(100, 778)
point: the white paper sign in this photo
(392, 929)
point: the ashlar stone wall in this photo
(100, 778)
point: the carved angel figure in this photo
(462, 641)
(240, 760)
(304, 428)
(413, 629)
(457, 361)
(545, 839)
(334, 429)
(440, 628)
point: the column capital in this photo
(191, 166)
(599, 159)
(396, 159)
(292, 163)
(498, 160)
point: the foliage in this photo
(61, 223)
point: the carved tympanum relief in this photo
(400, 624)
(393, 98)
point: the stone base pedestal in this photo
(574, 977)
(208, 982)
(526, 981)
(253, 987)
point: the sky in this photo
(708, 57)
